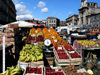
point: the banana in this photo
(12, 70)
(27, 59)
(22, 58)
(31, 53)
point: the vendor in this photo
(18, 44)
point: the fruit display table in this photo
(77, 37)
(85, 45)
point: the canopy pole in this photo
(3, 54)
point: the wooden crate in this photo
(62, 63)
(56, 68)
(50, 60)
(34, 73)
(75, 63)
(75, 59)
(38, 63)
(23, 64)
(60, 60)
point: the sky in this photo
(41, 9)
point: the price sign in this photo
(59, 48)
(33, 35)
(35, 43)
(36, 31)
(49, 30)
(55, 40)
(72, 52)
(47, 42)
(53, 37)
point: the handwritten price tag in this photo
(55, 40)
(53, 37)
(33, 35)
(72, 52)
(49, 30)
(36, 31)
(59, 48)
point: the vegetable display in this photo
(31, 53)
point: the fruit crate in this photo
(23, 64)
(62, 63)
(50, 60)
(54, 71)
(69, 49)
(38, 63)
(60, 60)
(31, 39)
(34, 72)
(75, 60)
(76, 63)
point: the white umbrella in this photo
(23, 24)
(20, 24)
(4, 26)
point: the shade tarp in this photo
(3, 26)
(20, 24)
(23, 24)
(34, 24)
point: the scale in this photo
(47, 44)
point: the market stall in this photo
(46, 53)
(79, 45)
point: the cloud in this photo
(41, 4)
(22, 12)
(37, 19)
(24, 17)
(44, 10)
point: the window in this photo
(50, 21)
(54, 21)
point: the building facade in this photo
(7, 11)
(89, 13)
(33, 21)
(62, 23)
(53, 22)
(43, 22)
(72, 20)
